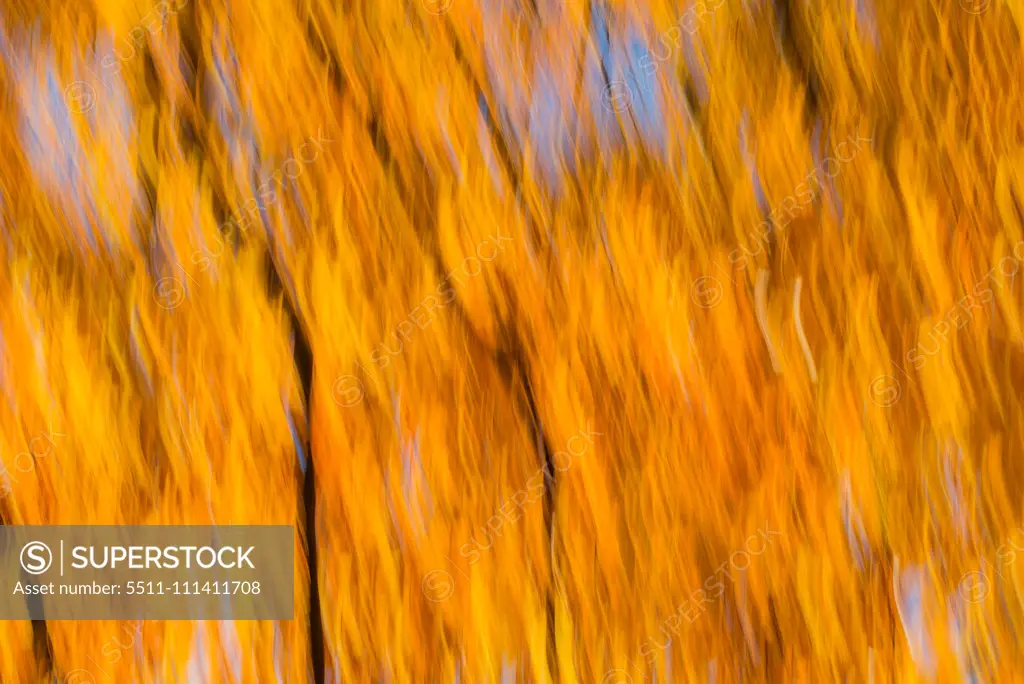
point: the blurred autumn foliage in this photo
(628, 341)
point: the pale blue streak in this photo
(912, 582)
(296, 441)
(647, 107)
(866, 16)
(54, 161)
(748, 148)
(232, 645)
(508, 670)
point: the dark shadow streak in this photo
(303, 357)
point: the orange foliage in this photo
(645, 339)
